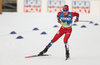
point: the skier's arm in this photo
(77, 16)
(58, 17)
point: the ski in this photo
(36, 56)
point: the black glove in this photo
(77, 19)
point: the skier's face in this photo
(65, 12)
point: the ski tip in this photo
(29, 57)
(65, 59)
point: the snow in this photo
(84, 42)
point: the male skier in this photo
(65, 18)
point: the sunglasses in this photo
(65, 10)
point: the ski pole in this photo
(84, 21)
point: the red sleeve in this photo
(74, 14)
(58, 14)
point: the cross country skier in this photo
(65, 18)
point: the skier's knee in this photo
(65, 42)
(52, 41)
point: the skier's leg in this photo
(56, 37)
(67, 35)
(67, 50)
(66, 46)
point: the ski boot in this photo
(67, 55)
(42, 52)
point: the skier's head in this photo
(65, 9)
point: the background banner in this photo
(55, 5)
(81, 6)
(32, 5)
